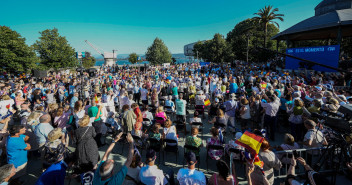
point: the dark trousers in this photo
(97, 139)
(136, 97)
(296, 131)
(170, 177)
(270, 125)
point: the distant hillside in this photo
(124, 56)
(178, 55)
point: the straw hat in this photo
(55, 134)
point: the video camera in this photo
(340, 121)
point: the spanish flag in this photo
(207, 102)
(251, 142)
(167, 81)
(263, 85)
(96, 99)
(258, 162)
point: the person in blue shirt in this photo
(73, 100)
(104, 175)
(56, 173)
(17, 149)
(233, 86)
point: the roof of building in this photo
(323, 25)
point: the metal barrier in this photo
(311, 155)
(336, 88)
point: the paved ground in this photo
(34, 165)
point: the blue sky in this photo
(132, 25)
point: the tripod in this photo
(335, 156)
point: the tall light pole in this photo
(197, 56)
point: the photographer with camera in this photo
(313, 139)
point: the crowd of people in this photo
(41, 118)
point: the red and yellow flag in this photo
(263, 85)
(258, 162)
(207, 102)
(251, 142)
(96, 99)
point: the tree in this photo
(216, 50)
(15, 54)
(247, 35)
(88, 62)
(133, 58)
(54, 50)
(158, 53)
(267, 15)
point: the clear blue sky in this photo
(132, 25)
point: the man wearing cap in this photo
(104, 174)
(150, 174)
(190, 175)
(313, 139)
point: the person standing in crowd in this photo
(313, 139)
(271, 162)
(128, 118)
(190, 176)
(139, 119)
(17, 148)
(181, 110)
(95, 114)
(271, 108)
(144, 95)
(87, 149)
(245, 115)
(43, 129)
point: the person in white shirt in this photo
(144, 95)
(110, 104)
(190, 176)
(150, 174)
(313, 139)
(271, 109)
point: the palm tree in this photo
(267, 15)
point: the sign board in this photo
(204, 63)
(328, 55)
(166, 64)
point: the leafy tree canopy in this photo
(249, 32)
(54, 50)
(216, 50)
(133, 58)
(15, 54)
(158, 53)
(88, 62)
